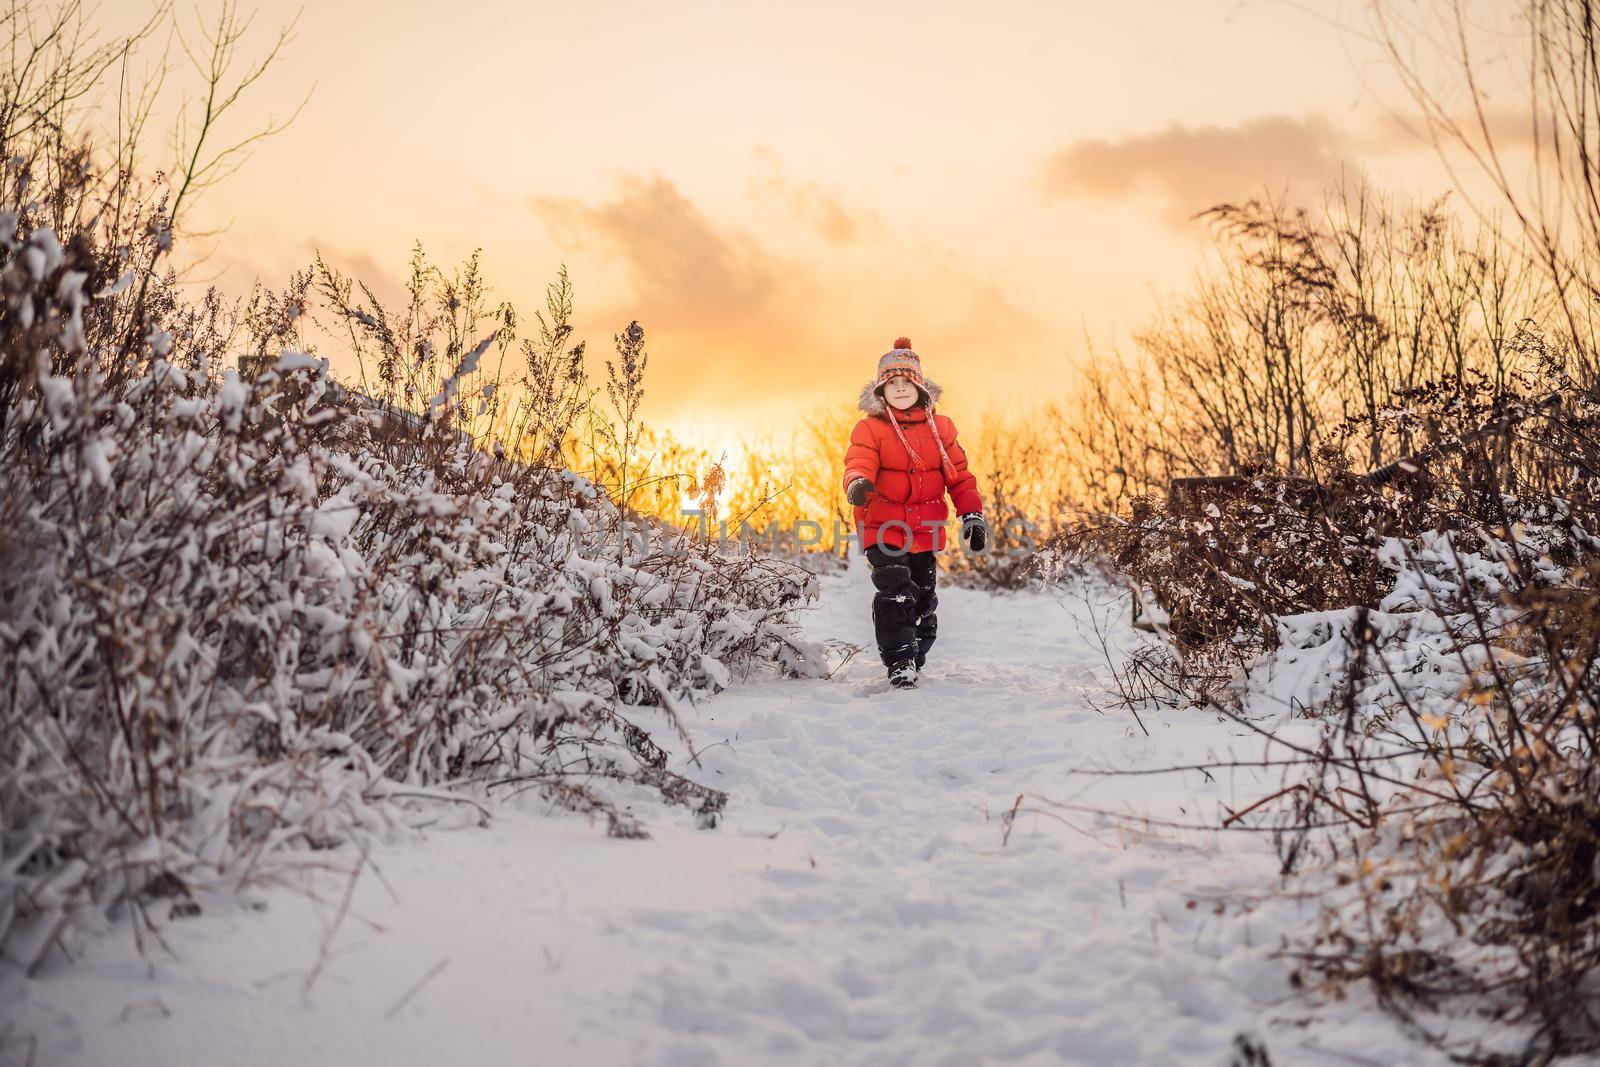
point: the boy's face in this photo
(900, 393)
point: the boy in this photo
(902, 460)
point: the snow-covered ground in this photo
(860, 904)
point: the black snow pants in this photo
(903, 616)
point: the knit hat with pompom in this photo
(900, 360)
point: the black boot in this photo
(903, 675)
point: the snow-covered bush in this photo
(234, 624)
(1440, 623)
(1225, 558)
(1449, 815)
(245, 616)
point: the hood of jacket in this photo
(872, 403)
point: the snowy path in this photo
(858, 905)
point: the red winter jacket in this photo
(907, 497)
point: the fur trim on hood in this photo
(871, 401)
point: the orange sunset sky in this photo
(778, 190)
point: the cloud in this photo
(1190, 168)
(1508, 128)
(687, 271)
(744, 329)
(822, 210)
(729, 318)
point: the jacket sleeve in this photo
(861, 458)
(963, 488)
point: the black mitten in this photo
(857, 493)
(974, 531)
